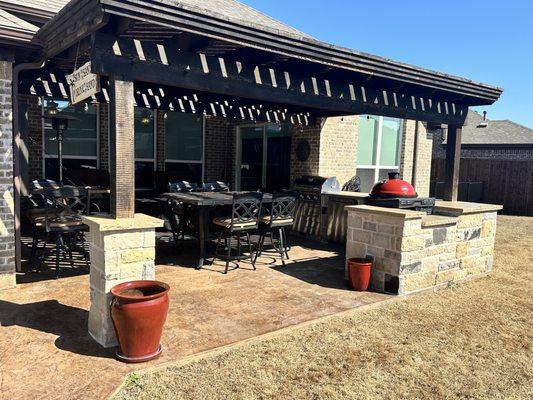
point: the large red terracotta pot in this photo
(359, 270)
(139, 310)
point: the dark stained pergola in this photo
(166, 55)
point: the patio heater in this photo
(60, 123)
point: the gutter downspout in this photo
(17, 181)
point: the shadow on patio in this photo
(48, 319)
(68, 323)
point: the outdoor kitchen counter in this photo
(456, 208)
(348, 195)
(413, 251)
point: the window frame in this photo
(66, 156)
(201, 161)
(379, 134)
(153, 160)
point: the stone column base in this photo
(121, 250)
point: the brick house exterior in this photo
(333, 147)
(7, 214)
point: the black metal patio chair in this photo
(62, 222)
(245, 214)
(178, 214)
(278, 219)
(215, 186)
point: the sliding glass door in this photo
(263, 157)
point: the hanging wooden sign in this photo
(83, 83)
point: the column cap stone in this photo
(463, 207)
(108, 223)
(391, 212)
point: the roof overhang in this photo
(341, 71)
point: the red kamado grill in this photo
(395, 193)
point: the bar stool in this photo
(281, 217)
(245, 214)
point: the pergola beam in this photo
(152, 63)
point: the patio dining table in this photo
(204, 202)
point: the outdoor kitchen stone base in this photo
(412, 251)
(121, 250)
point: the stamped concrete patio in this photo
(46, 351)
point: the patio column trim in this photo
(453, 159)
(122, 147)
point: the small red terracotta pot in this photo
(359, 270)
(138, 311)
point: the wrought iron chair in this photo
(178, 214)
(215, 186)
(62, 221)
(279, 218)
(245, 214)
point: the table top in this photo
(202, 199)
(92, 189)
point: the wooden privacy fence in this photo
(506, 182)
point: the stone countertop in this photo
(456, 208)
(108, 223)
(391, 212)
(353, 195)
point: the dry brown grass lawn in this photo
(473, 340)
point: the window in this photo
(378, 149)
(184, 146)
(80, 141)
(144, 147)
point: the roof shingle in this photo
(495, 132)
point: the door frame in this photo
(238, 155)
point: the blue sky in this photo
(489, 41)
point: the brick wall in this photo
(415, 164)
(338, 147)
(103, 126)
(34, 125)
(220, 136)
(160, 140)
(7, 245)
(311, 165)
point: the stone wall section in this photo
(413, 252)
(7, 208)
(121, 250)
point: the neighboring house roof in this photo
(37, 11)
(15, 29)
(498, 132)
(233, 10)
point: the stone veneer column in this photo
(7, 209)
(412, 251)
(121, 250)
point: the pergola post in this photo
(122, 246)
(453, 158)
(122, 147)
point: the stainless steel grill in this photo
(310, 207)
